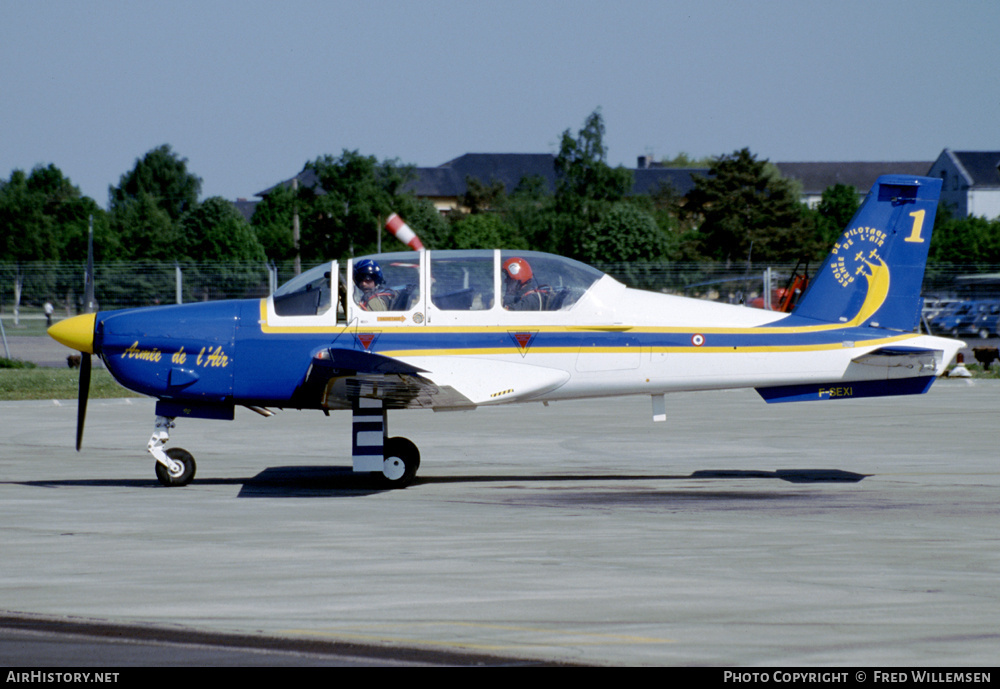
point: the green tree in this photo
(485, 231)
(423, 218)
(146, 207)
(530, 211)
(683, 160)
(837, 206)
(144, 230)
(75, 230)
(744, 209)
(321, 219)
(44, 217)
(964, 241)
(217, 234)
(625, 233)
(163, 176)
(480, 197)
(27, 233)
(586, 186)
(343, 215)
(216, 231)
(272, 223)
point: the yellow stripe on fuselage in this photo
(576, 349)
(738, 349)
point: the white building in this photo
(971, 182)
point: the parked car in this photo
(948, 314)
(962, 319)
(986, 322)
(934, 306)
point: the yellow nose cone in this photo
(76, 332)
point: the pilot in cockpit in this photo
(370, 292)
(521, 292)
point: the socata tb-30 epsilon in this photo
(460, 329)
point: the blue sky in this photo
(250, 91)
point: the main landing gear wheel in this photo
(183, 475)
(402, 459)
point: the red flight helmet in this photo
(517, 269)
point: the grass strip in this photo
(57, 384)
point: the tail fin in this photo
(873, 275)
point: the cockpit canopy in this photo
(307, 294)
(444, 281)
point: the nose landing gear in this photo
(174, 467)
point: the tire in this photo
(402, 459)
(188, 468)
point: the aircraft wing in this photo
(489, 381)
(339, 376)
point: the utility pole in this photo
(295, 227)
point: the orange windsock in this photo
(401, 231)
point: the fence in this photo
(126, 285)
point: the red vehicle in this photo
(785, 298)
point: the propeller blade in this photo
(81, 404)
(85, 357)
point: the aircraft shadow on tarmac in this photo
(333, 482)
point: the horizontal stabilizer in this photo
(840, 390)
(916, 358)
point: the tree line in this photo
(742, 210)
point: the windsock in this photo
(401, 231)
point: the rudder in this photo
(874, 273)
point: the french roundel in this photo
(697, 339)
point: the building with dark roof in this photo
(445, 185)
(971, 182)
(246, 207)
(972, 178)
(815, 178)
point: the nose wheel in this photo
(181, 470)
(174, 467)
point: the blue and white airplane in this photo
(449, 330)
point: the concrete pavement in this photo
(736, 533)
